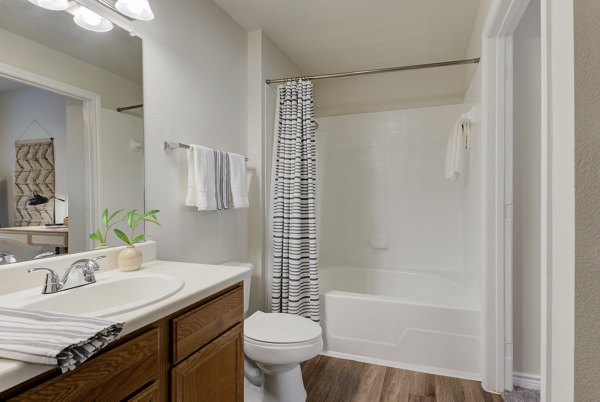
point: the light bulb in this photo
(135, 6)
(54, 5)
(92, 21)
(91, 18)
(138, 9)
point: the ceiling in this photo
(115, 51)
(341, 35)
(10, 85)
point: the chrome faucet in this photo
(80, 273)
(7, 258)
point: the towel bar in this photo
(169, 145)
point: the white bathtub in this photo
(416, 321)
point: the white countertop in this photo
(200, 281)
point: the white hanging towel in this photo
(458, 144)
(239, 187)
(201, 191)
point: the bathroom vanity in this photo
(185, 347)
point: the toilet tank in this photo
(246, 281)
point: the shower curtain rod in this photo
(377, 70)
(125, 108)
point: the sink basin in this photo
(109, 296)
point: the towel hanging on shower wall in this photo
(459, 143)
(295, 284)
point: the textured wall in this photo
(587, 199)
(194, 92)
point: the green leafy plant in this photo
(108, 220)
(133, 219)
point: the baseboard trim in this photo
(410, 367)
(526, 380)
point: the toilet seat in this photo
(281, 328)
(276, 345)
(281, 339)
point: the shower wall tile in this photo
(381, 176)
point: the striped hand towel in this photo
(222, 180)
(53, 339)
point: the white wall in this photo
(78, 208)
(24, 53)
(526, 193)
(122, 167)
(382, 179)
(392, 91)
(194, 92)
(587, 200)
(473, 185)
(264, 60)
(26, 114)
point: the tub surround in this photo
(413, 261)
(201, 282)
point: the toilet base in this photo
(283, 383)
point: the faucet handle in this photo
(94, 265)
(52, 282)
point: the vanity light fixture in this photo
(137, 9)
(54, 5)
(87, 19)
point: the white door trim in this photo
(91, 129)
(502, 20)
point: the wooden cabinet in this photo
(195, 354)
(214, 373)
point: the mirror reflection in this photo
(71, 129)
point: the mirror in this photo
(71, 129)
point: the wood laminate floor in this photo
(328, 379)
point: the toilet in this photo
(276, 344)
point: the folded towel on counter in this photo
(239, 187)
(201, 179)
(61, 340)
(458, 143)
(222, 180)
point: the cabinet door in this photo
(109, 377)
(149, 394)
(213, 374)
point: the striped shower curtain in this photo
(295, 285)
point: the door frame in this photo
(497, 100)
(91, 128)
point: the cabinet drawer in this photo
(111, 376)
(198, 327)
(58, 240)
(23, 237)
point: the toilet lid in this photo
(280, 328)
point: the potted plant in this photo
(108, 220)
(130, 259)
